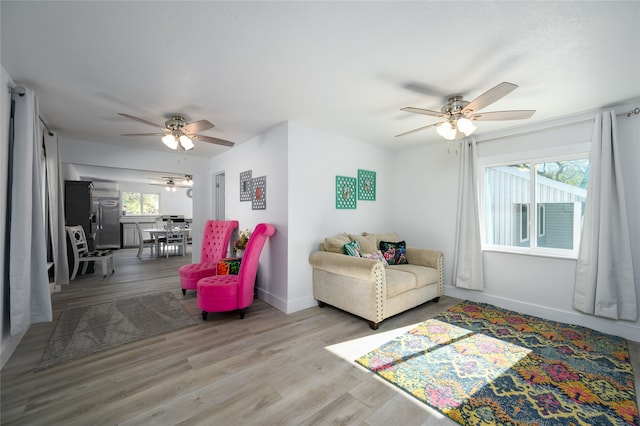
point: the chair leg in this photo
(242, 311)
(104, 267)
(204, 315)
(76, 265)
(184, 291)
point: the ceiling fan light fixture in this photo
(186, 142)
(465, 126)
(446, 130)
(170, 141)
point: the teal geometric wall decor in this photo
(366, 185)
(345, 192)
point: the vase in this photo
(239, 253)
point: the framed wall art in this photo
(366, 185)
(246, 190)
(345, 192)
(259, 200)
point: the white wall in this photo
(316, 158)
(264, 155)
(301, 165)
(99, 154)
(539, 286)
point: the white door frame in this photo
(218, 207)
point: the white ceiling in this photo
(342, 67)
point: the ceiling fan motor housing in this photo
(176, 123)
(455, 105)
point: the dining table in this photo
(158, 233)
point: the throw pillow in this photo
(394, 253)
(377, 256)
(367, 243)
(353, 249)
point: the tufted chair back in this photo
(215, 239)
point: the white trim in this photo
(623, 329)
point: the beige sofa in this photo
(368, 288)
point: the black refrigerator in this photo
(77, 211)
(77, 206)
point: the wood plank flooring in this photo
(268, 369)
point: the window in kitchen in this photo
(140, 204)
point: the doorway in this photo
(219, 198)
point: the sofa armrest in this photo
(431, 258)
(424, 257)
(350, 283)
(341, 264)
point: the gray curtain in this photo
(55, 194)
(29, 296)
(605, 284)
(467, 257)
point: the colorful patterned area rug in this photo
(482, 365)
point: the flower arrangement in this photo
(243, 239)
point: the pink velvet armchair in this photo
(222, 293)
(215, 243)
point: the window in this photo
(523, 222)
(140, 204)
(541, 219)
(535, 206)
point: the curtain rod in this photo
(20, 91)
(635, 111)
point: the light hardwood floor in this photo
(268, 369)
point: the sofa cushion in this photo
(394, 253)
(353, 249)
(367, 242)
(336, 244)
(399, 281)
(392, 236)
(424, 275)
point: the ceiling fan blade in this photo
(503, 115)
(424, 111)
(197, 126)
(489, 97)
(212, 140)
(141, 120)
(143, 134)
(419, 129)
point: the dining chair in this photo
(215, 244)
(176, 240)
(81, 253)
(144, 242)
(220, 293)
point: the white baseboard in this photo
(286, 306)
(628, 330)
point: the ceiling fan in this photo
(178, 132)
(173, 182)
(458, 114)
